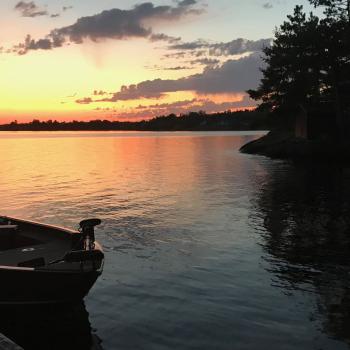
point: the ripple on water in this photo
(206, 248)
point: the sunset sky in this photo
(130, 60)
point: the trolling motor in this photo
(83, 245)
(87, 230)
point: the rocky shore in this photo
(284, 145)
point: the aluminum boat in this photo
(42, 263)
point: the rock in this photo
(284, 145)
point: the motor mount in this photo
(87, 229)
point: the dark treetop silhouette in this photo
(308, 72)
(240, 120)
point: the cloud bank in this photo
(114, 24)
(234, 76)
(178, 108)
(235, 47)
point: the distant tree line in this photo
(308, 66)
(193, 121)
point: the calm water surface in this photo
(206, 248)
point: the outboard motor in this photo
(87, 229)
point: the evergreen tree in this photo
(293, 64)
(336, 40)
(308, 64)
(339, 9)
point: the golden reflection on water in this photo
(54, 167)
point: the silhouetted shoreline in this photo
(306, 85)
(240, 121)
(283, 144)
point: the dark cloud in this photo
(116, 24)
(267, 6)
(238, 46)
(183, 107)
(66, 8)
(193, 45)
(176, 68)
(30, 9)
(234, 47)
(234, 76)
(167, 106)
(41, 44)
(134, 92)
(205, 61)
(54, 15)
(100, 93)
(164, 37)
(176, 55)
(187, 3)
(197, 104)
(211, 107)
(84, 101)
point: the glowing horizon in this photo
(129, 61)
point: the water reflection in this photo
(48, 327)
(186, 220)
(305, 215)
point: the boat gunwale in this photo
(31, 269)
(49, 226)
(16, 268)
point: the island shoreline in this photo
(282, 144)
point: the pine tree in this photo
(308, 64)
(339, 9)
(336, 25)
(292, 74)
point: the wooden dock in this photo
(7, 344)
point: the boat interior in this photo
(26, 244)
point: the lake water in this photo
(206, 248)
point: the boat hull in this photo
(41, 264)
(27, 286)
